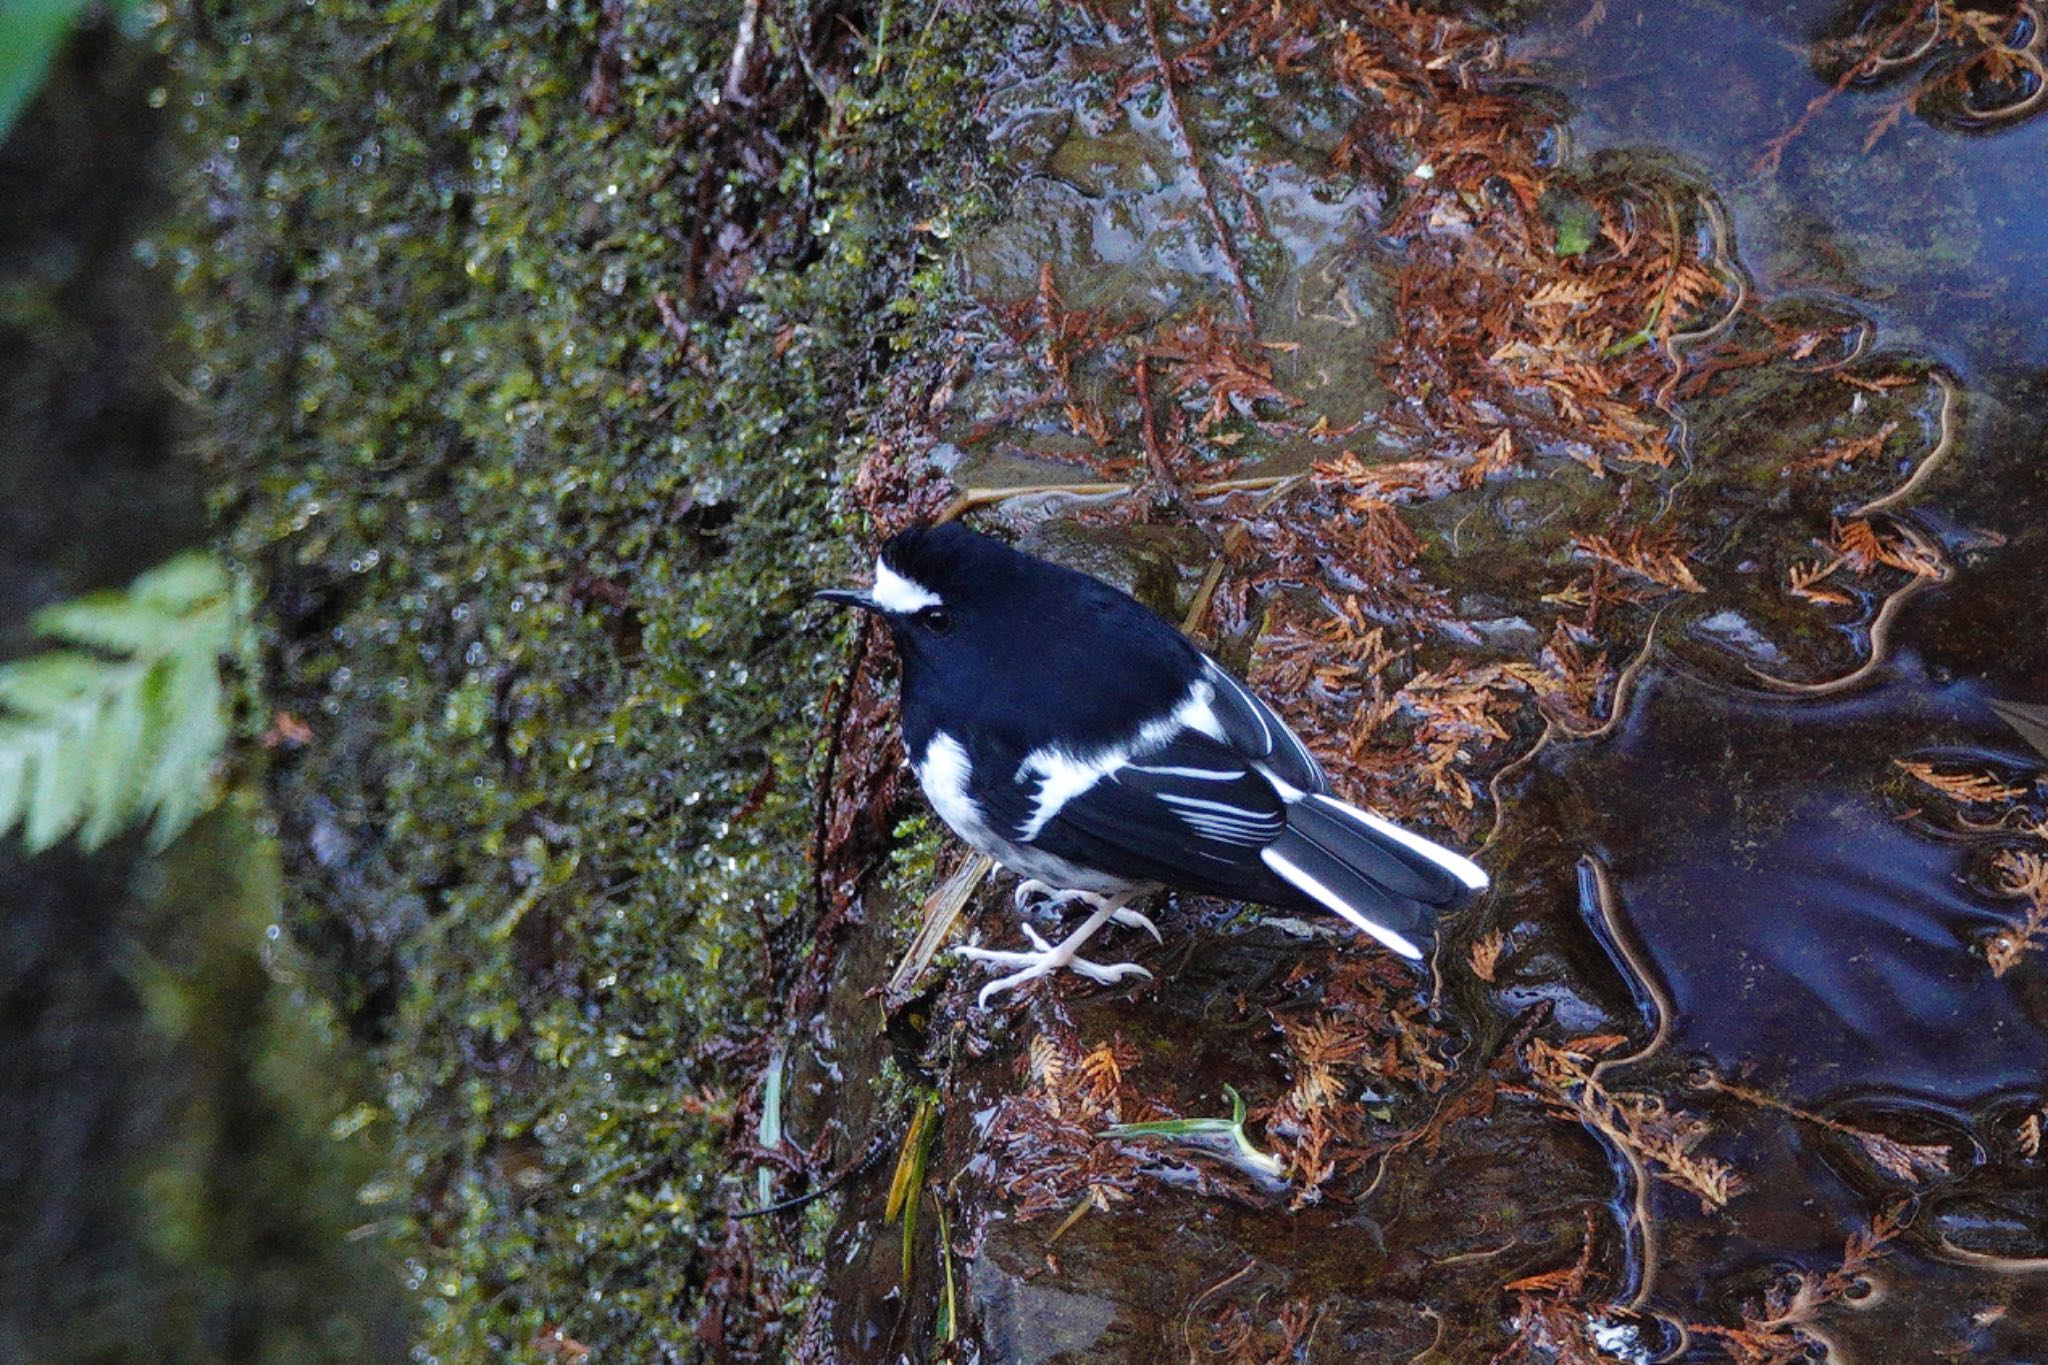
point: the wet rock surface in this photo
(1722, 1066)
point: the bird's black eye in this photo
(937, 620)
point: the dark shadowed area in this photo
(173, 1187)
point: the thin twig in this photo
(1155, 451)
(876, 1146)
(742, 53)
(1774, 150)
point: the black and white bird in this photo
(1083, 742)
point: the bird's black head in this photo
(930, 581)
(966, 611)
(990, 636)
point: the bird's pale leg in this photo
(1031, 891)
(1049, 958)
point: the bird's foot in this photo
(1046, 960)
(1032, 892)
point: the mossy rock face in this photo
(541, 340)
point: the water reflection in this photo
(1804, 933)
(1937, 233)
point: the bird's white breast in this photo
(942, 772)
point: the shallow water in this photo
(1936, 233)
(1802, 930)
(1812, 937)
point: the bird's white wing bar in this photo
(1223, 809)
(1195, 712)
(1464, 869)
(1198, 774)
(1230, 824)
(1288, 791)
(1063, 775)
(895, 593)
(1265, 734)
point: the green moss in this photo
(539, 529)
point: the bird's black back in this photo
(1035, 653)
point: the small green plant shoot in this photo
(1226, 1137)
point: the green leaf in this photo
(31, 34)
(56, 792)
(183, 585)
(1242, 1151)
(1575, 233)
(13, 778)
(769, 1134)
(908, 1182)
(95, 740)
(179, 785)
(1171, 1128)
(50, 686)
(113, 753)
(31, 31)
(1638, 338)
(106, 621)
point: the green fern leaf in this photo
(114, 751)
(50, 686)
(194, 734)
(95, 742)
(56, 795)
(183, 585)
(115, 622)
(13, 777)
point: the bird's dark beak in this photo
(847, 597)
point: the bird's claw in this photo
(1032, 892)
(1107, 973)
(1044, 961)
(1029, 891)
(1133, 920)
(1044, 895)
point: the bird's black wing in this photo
(1197, 814)
(1259, 735)
(1192, 813)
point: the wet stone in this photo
(1158, 565)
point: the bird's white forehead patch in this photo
(895, 593)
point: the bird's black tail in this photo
(1388, 882)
